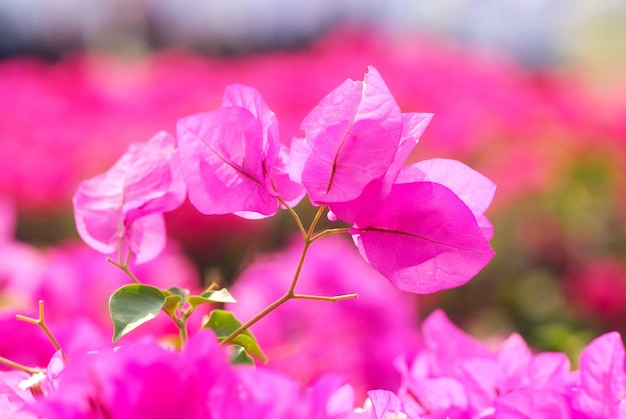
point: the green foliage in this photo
(240, 356)
(211, 296)
(133, 305)
(174, 299)
(223, 323)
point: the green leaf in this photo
(172, 303)
(133, 305)
(223, 323)
(240, 356)
(174, 298)
(182, 292)
(218, 296)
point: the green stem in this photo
(295, 216)
(18, 366)
(228, 339)
(309, 237)
(333, 299)
(41, 322)
(180, 320)
(330, 231)
(124, 267)
(181, 323)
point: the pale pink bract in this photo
(351, 139)
(124, 206)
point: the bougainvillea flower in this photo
(602, 378)
(143, 380)
(413, 225)
(232, 158)
(455, 375)
(351, 139)
(13, 396)
(386, 404)
(123, 207)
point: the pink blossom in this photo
(386, 405)
(142, 380)
(14, 397)
(417, 232)
(121, 210)
(456, 375)
(471, 187)
(598, 287)
(369, 202)
(232, 158)
(602, 379)
(431, 232)
(146, 380)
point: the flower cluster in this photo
(451, 375)
(421, 226)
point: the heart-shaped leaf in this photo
(133, 305)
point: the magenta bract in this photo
(124, 206)
(424, 239)
(474, 189)
(232, 158)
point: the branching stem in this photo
(20, 367)
(309, 237)
(124, 267)
(41, 322)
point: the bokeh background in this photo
(532, 93)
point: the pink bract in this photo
(232, 158)
(352, 138)
(123, 207)
(369, 202)
(474, 189)
(602, 378)
(424, 239)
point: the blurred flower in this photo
(143, 380)
(602, 378)
(89, 107)
(75, 282)
(455, 375)
(599, 287)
